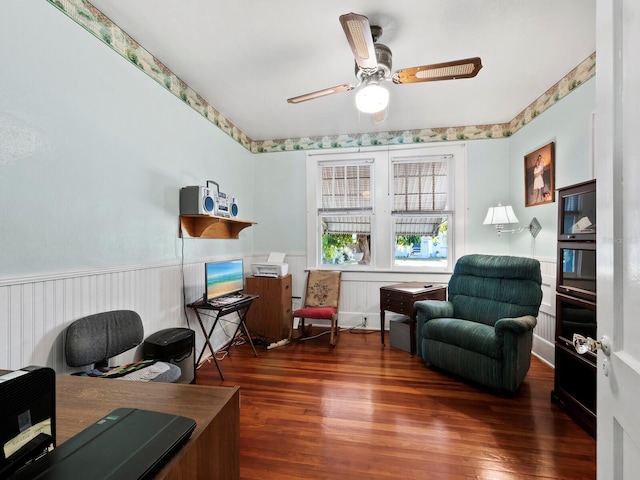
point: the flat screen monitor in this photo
(223, 278)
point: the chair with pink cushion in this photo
(321, 302)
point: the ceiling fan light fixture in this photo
(372, 97)
(373, 65)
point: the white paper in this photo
(24, 437)
(581, 225)
(276, 257)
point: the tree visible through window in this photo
(345, 213)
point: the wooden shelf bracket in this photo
(207, 226)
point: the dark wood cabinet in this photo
(577, 212)
(270, 315)
(575, 375)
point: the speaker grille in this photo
(209, 204)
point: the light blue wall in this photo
(568, 124)
(486, 181)
(280, 202)
(495, 174)
(281, 210)
(93, 154)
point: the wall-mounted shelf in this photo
(207, 226)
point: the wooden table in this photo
(400, 297)
(222, 310)
(212, 451)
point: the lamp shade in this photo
(500, 215)
(372, 98)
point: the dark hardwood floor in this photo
(363, 411)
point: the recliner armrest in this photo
(428, 309)
(516, 325)
(515, 335)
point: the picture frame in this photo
(539, 176)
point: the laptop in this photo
(127, 444)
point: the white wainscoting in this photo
(545, 331)
(35, 311)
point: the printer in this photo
(27, 417)
(273, 267)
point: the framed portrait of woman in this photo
(539, 176)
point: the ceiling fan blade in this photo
(467, 68)
(358, 31)
(345, 87)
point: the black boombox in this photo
(197, 200)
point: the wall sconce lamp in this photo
(504, 215)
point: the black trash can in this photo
(173, 345)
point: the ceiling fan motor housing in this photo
(383, 56)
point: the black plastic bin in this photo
(173, 345)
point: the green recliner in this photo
(484, 331)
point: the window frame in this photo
(413, 157)
(383, 223)
(364, 211)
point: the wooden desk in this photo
(400, 297)
(212, 451)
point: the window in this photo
(388, 209)
(345, 213)
(421, 211)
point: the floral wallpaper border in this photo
(94, 21)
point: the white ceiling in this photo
(246, 57)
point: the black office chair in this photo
(95, 339)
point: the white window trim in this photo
(382, 259)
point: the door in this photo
(617, 168)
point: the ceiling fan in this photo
(373, 66)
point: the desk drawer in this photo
(402, 302)
(399, 305)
